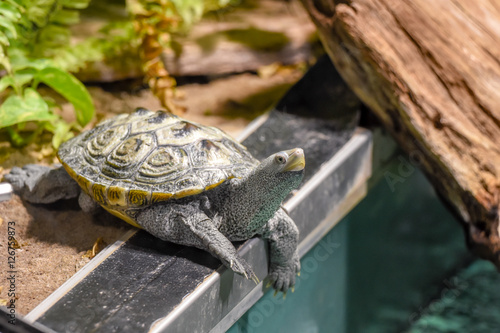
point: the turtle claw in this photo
(282, 277)
(241, 267)
(276, 291)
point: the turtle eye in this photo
(280, 158)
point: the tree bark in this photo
(430, 71)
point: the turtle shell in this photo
(134, 160)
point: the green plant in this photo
(32, 34)
(36, 48)
(154, 22)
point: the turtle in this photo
(180, 181)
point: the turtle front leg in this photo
(41, 184)
(187, 224)
(283, 237)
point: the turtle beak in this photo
(296, 161)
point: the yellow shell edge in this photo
(139, 198)
(188, 192)
(84, 183)
(98, 193)
(209, 187)
(122, 216)
(117, 196)
(159, 196)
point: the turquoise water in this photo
(382, 267)
(470, 304)
(404, 245)
(318, 300)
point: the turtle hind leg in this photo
(41, 184)
(89, 205)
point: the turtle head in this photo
(280, 173)
(286, 161)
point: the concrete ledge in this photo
(220, 297)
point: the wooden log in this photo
(430, 71)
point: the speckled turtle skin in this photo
(180, 181)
